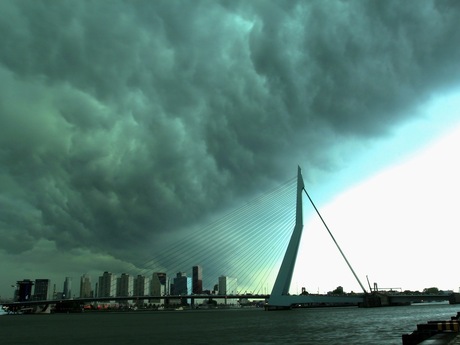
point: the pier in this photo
(436, 332)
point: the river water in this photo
(235, 326)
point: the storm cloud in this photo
(124, 120)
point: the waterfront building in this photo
(182, 284)
(140, 287)
(85, 286)
(227, 285)
(124, 285)
(42, 289)
(58, 295)
(67, 291)
(158, 286)
(24, 290)
(55, 293)
(197, 280)
(106, 285)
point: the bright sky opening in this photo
(400, 227)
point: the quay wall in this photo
(435, 332)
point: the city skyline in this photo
(122, 285)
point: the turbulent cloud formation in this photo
(123, 120)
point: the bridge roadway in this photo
(368, 300)
(383, 299)
(133, 298)
(395, 299)
(312, 299)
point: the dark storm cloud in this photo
(120, 120)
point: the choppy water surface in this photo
(238, 326)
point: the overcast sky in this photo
(123, 121)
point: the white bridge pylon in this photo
(279, 297)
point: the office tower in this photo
(140, 285)
(42, 289)
(24, 290)
(227, 286)
(182, 284)
(106, 284)
(67, 291)
(124, 285)
(197, 280)
(158, 286)
(85, 286)
(140, 288)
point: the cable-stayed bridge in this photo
(246, 244)
(254, 244)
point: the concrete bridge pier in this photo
(375, 300)
(454, 298)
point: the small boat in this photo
(3, 311)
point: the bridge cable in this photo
(239, 228)
(338, 247)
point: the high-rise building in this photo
(67, 291)
(158, 286)
(197, 280)
(42, 289)
(106, 285)
(182, 284)
(227, 285)
(140, 288)
(85, 286)
(124, 285)
(24, 290)
(140, 285)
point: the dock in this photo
(436, 332)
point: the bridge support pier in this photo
(280, 299)
(374, 300)
(454, 298)
(280, 292)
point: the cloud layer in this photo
(121, 121)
